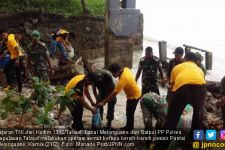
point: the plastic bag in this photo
(70, 50)
(96, 120)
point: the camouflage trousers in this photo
(149, 118)
(148, 87)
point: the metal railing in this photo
(163, 53)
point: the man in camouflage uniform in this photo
(178, 59)
(105, 85)
(179, 52)
(149, 65)
(38, 58)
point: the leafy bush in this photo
(65, 7)
(42, 92)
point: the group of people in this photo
(185, 76)
(35, 59)
(186, 82)
(105, 94)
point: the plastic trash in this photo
(96, 120)
(70, 50)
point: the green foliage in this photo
(13, 103)
(65, 7)
(24, 103)
(19, 105)
(65, 98)
(44, 100)
(42, 92)
(44, 116)
(8, 105)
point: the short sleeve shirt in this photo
(77, 83)
(186, 73)
(128, 84)
(150, 67)
(11, 44)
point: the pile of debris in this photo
(212, 112)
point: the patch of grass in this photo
(65, 7)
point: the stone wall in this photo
(89, 31)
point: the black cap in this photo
(179, 50)
(191, 57)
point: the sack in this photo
(186, 119)
(70, 50)
(96, 120)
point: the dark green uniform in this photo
(37, 55)
(149, 75)
(105, 86)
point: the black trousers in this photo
(187, 94)
(10, 68)
(111, 108)
(130, 110)
(76, 110)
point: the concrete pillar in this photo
(163, 51)
(120, 25)
(208, 60)
(129, 4)
(113, 4)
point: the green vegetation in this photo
(65, 7)
(42, 92)
(39, 105)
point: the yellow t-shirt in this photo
(59, 39)
(11, 44)
(186, 73)
(73, 82)
(128, 84)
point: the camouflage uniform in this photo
(172, 63)
(105, 86)
(38, 60)
(149, 75)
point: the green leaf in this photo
(70, 93)
(60, 88)
(4, 115)
(25, 104)
(35, 79)
(40, 120)
(18, 110)
(49, 106)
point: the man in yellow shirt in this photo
(129, 85)
(16, 59)
(188, 87)
(60, 39)
(80, 85)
